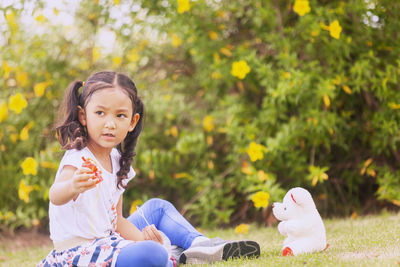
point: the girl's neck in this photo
(102, 155)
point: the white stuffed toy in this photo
(300, 222)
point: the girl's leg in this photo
(143, 253)
(167, 219)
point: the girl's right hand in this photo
(151, 233)
(82, 180)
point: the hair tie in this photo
(83, 84)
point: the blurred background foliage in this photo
(245, 99)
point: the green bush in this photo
(242, 97)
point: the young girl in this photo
(100, 128)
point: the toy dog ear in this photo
(294, 200)
(302, 197)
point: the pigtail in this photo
(70, 132)
(127, 147)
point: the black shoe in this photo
(218, 250)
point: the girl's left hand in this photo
(151, 233)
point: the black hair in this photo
(73, 135)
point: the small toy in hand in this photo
(300, 222)
(91, 164)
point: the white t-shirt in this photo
(94, 213)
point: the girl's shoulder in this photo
(73, 157)
(76, 153)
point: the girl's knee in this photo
(158, 202)
(144, 253)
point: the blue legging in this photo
(167, 219)
(144, 253)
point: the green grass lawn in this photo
(364, 241)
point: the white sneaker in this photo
(218, 250)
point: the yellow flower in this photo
(216, 57)
(193, 51)
(183, 6)
(240, 69)
(316, 178)
(22, 78)
(287, 75)
(323, 26)
(116, 2)
(174, 131)
(152, 175)
(29, 166)
(226, 51)
(213, 35)
(176, 41)
(133, 55)
(260, 199)
(210, 140)
(221, 14)
(116, 61)
(327, 101)
(364, 169)
(3, 111)
(7, 70)
(17, 103)
(14, 138)
(24, 134)
(242, 228)
(48, 165)
(6, 216)
(371, 172)
(10, 17)
(262, 176)
(315, 33)
(167, 97)
(301, 7)
(256, 151)
(143, 44)
(175, 76)
(216, 75)
(24, 191)
(134, 204)
(391, 105)
(35, 222)
(41, 19)
(181, 175)
(347, 89)
(247, 168)
(210, 165)
(208, 123)
(96, 52)
(39, 88)
(335, 29)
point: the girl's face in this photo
(108, 117)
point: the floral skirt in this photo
(101, 252)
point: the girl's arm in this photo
(129, 231)
(70, 184)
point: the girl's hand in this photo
(83, 179)
(151, 233)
